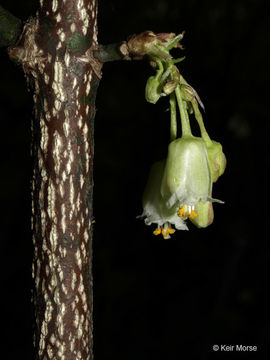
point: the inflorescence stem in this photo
(186, 130)
(173, 127)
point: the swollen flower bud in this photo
(205, 214)
(217, 159)
(169, 87)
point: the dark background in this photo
(153, 298)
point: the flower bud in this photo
(217, 159)
(152, 89)
(189, 94)
(205, 214)
(169, 87)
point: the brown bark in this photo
(56, 53)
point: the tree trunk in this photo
(56, 53)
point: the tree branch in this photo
(59, 53)
(112, 52)
(56, 54)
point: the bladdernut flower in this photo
(187, 176)
(155, 210)
(187, 180)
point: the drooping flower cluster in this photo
(180, 187)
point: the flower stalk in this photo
(173, 127)
(186, 130)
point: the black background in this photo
(170, 299)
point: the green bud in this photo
(217, 159)
(190, 95)
(169, 87)
(205, 214)
(152, 89)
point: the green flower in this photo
(187, 175)
(187, 179)
(155, 209)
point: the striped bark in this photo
(56, 53)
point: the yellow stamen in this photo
(193, 214)
(170, 230)
(181, 211)
(164, 232)
(157, 231)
